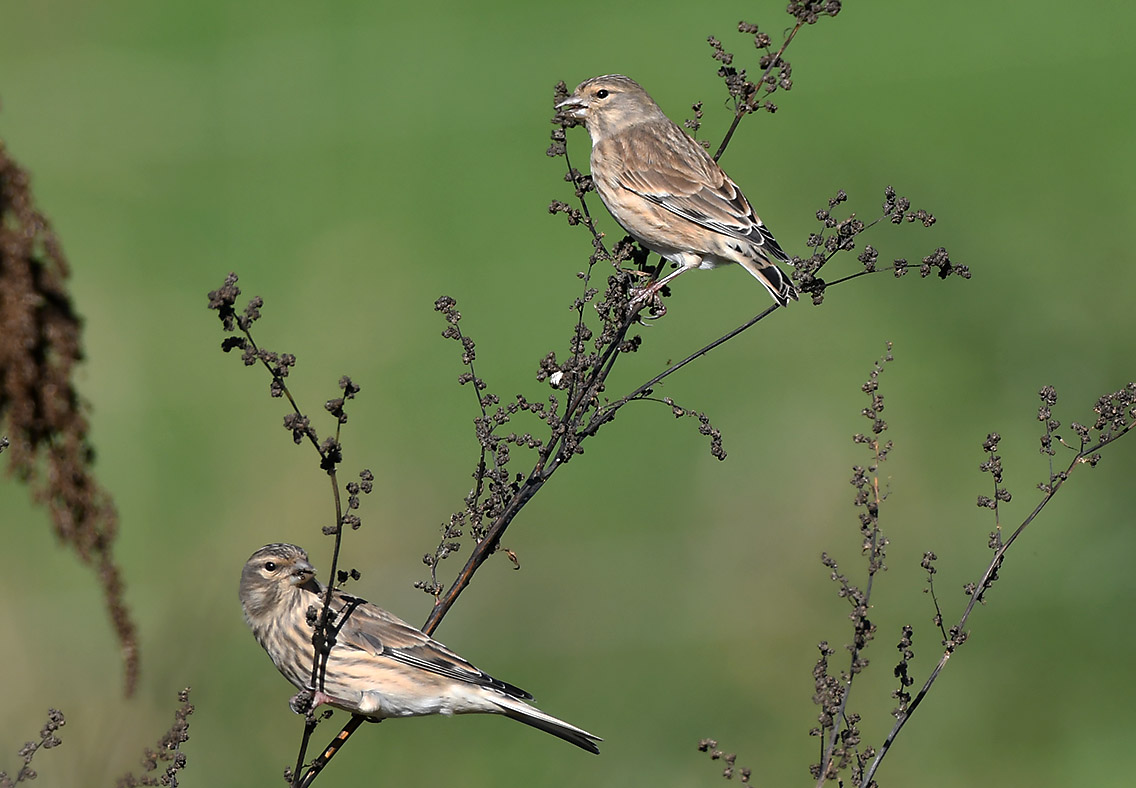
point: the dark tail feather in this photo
(774, 280)
(522, 712)
(769, 244)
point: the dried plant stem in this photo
(977, 595)
(744, 109)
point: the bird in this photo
(379, 666)
(666, 191)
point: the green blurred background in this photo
(353, 163)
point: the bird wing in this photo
(675, 173)
(371, 629)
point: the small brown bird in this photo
(379, 665)
(666, 191)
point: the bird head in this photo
(271, 574)
(609, 104)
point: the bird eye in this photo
(270, 566)
(602, 94)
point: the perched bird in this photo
(667, 191)
(379, 666)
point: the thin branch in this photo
(745, 108)
(331, 749)
(958, 635)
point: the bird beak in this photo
(302, 572)
(574, 106)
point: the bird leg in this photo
(649, 294)
(309, 700)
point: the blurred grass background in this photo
(353, 163)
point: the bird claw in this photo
(648, 298)
(302, 702)
(307, 701)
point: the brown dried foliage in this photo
(44, 418)
(168, 755)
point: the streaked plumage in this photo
(380, 666)
(666, 191)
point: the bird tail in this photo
(774, 280)
(522, 712)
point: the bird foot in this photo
(302, 702)
(309, 700)
(648, 298)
